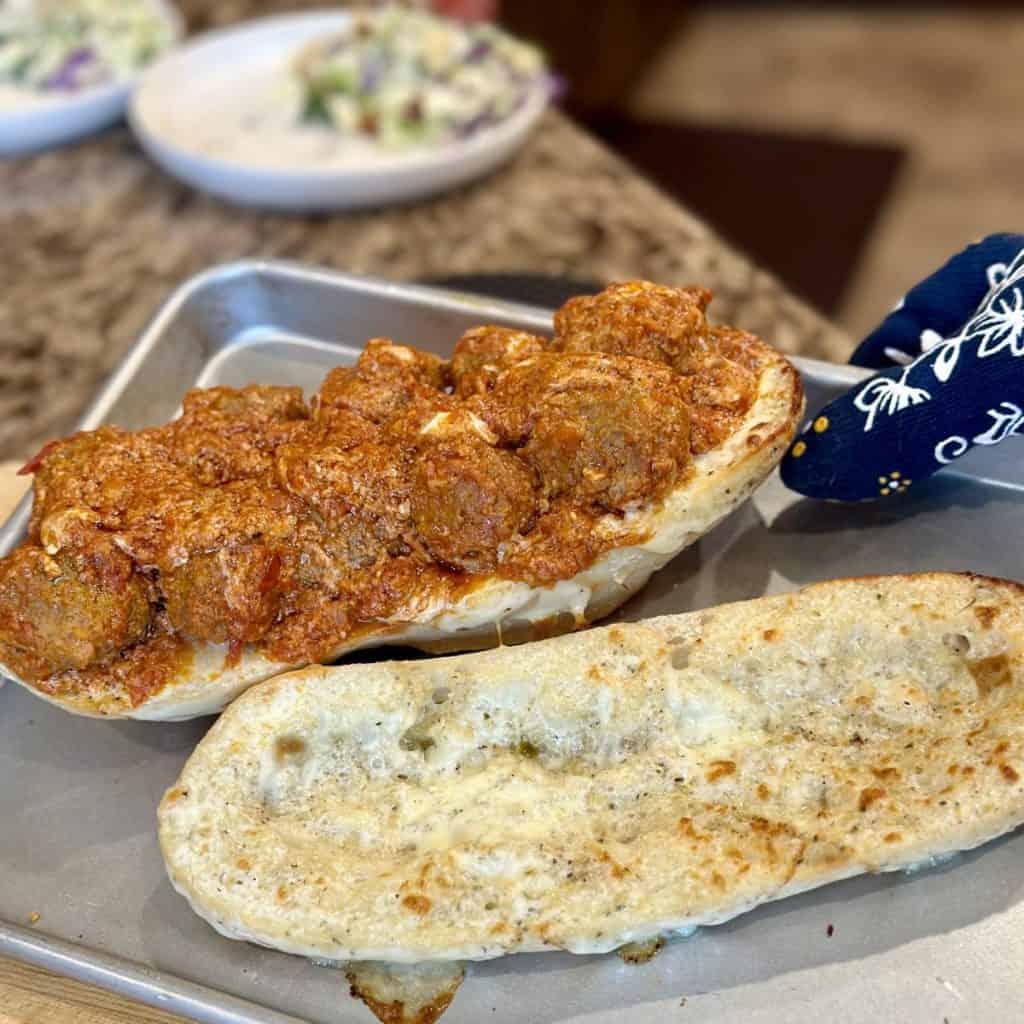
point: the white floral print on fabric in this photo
(997, 326)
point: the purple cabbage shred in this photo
(478, 51)
(65, 78)
(372, 72)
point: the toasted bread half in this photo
(607, 787)
(208, 676)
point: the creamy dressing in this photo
(258, 123)
(13, 98)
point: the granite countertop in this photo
(96, 237)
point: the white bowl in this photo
(38, 121)
(220, 114)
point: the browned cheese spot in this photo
(770, 635)
(991, 673)
(770, 830)
(618, 870)
(416, 903)
(287, 746)
(763, 791)
(686, 828)
(985, 614)
(868, 797)
(243, 864)
(885, 773)
(892, 837)
(1009, 772)
(719, 770)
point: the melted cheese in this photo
(608, 787)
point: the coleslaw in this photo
(406, 78)
(66, 46)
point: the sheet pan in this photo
(77, 797)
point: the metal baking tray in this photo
(78, 797)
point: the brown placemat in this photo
(96, 237)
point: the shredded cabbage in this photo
(408, 78)
(54, 46)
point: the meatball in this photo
(226, 434)
(383, 358)
(342, 428)
(719, 365)
(387, 382)
(313, 629)
(227, 595)
(636, 318)
(719, 396)
(109, 474)
(67, 611)
(234, 514)
(468, 497)
(483, 352)
(257, 403)
(738, 347)
(561, 544)
(361, 494)
(607, 431)
(57, 480)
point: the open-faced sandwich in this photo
(604, 789)
(525, 487)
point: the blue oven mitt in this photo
(954, 352)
